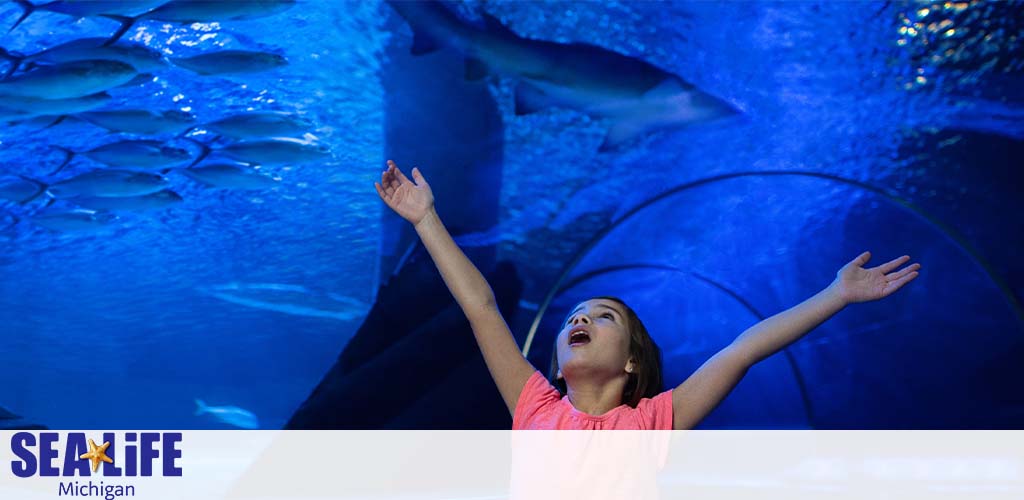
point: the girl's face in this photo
(594, 341)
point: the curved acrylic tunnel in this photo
(703, 262)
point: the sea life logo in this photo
(139, 455)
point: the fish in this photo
(297, 300)
(153, 201)
(259, 124)
(11, 421)
(14, 116)
(137, 55)
(68, 80)
(231, 415)
(141, 153)
(103, 182)
(87, 8)
(272, 151)
(230, 62)
(6, 414)
(202, 11)
(20, 190)
(139, 121)
(634, 95)
(139, 80)
(230, 177)
(33, 107)
(75, 221)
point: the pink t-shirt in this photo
(540, 406)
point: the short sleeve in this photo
(656, 412)
(537, 395)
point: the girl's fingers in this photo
(418, 177)
(903, 272)
(390, 181)
(380, 191)
(893, 264)
(862, 259)
(896, 285)
(401, 177)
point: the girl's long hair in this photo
(645, 381)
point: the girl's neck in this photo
(596, 398)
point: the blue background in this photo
(855, 135)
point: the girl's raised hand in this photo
(854, 283)
(412, 201)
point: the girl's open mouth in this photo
(578, 338)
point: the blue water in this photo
(909, 134)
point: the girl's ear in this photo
(630, 366)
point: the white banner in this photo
(634, 465)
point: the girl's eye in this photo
(607, 315)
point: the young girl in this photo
(604, 361)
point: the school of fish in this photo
(76, 81)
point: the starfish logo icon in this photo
(97, 454)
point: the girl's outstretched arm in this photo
(415, 203)
(703, 390)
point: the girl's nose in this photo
(581, 318)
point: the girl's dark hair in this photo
(645, 381)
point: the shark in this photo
(289, 299)
(11, 421)
(231, 415)
(635, 96)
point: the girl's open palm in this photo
(857, 284)
(412, 201)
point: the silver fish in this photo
(231, 415)
(230, 62)
(153, 201)
(75, 220)
(68, 80)
(140, 121)
(144, 154)
(108, 183)
(635, 96)
(201, 11)
(204, 11)
(230, 177)
(41, 107)
(87, 8)
(273, 151)
(137, 55)
(258, 124)
(20, 190)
